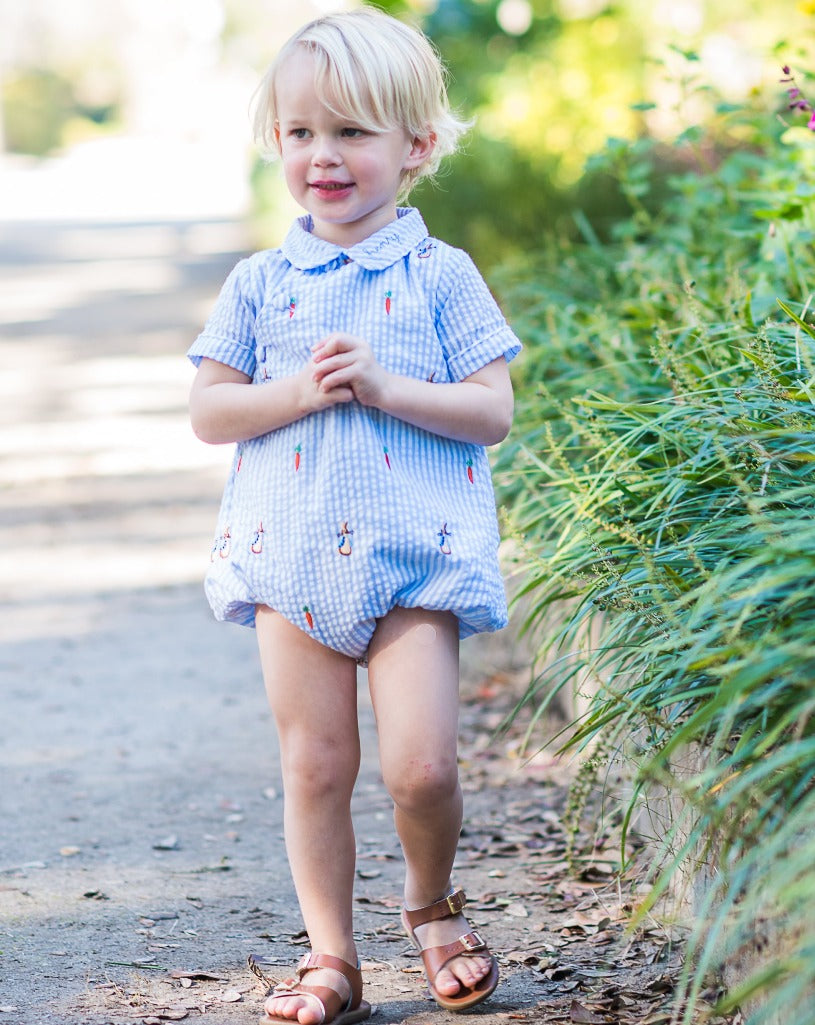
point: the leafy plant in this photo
(662, 497)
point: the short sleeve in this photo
(229, 332)
(471, 327)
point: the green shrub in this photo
(42, 108)
(36, 104)
(662, 494)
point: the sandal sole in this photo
(360, 1013)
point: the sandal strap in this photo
(351, 973)
(436, 958)
(446, 907)
(294, 988)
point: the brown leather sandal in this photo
(436, 958)
(334, 1009)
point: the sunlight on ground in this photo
(129, 178)
(103, 486)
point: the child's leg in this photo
(312, 693)
(413, 675)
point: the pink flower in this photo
(797, 100)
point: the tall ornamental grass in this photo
(662, 497)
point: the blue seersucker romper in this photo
(335, 519)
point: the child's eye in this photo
(352, 133)
(299, 133)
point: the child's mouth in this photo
(331, 186)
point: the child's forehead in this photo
(312, 76)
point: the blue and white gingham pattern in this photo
(336, 518)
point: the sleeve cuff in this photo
(501, 343)
(223, 350)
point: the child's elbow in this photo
(202, 426)
(500, 423)
(203, 433)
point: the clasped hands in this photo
(343, 368)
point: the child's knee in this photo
(422, 783)
(312, 769)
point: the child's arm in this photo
(477, 409)
(223, 409)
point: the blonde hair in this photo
(378, 72)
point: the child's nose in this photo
(325, 152)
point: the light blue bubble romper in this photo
(335, 519)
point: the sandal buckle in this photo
(472, 941)
(303, 964)
(455, 902)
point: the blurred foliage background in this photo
(548, 82)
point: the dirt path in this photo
(140, 813)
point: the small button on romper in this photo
(338, 517)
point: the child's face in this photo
(346, 177)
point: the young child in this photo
(361, 368)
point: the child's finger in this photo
(338, 378)
(331, 364)
(333, 345)
(334, 396)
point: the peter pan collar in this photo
(380, 250)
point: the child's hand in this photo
(313, 397)
(343, 361)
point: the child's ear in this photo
(420, 150)
(277, 134)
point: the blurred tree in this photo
(549, 81)
(36, 105)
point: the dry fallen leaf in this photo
(169, 843)
(584, 1016)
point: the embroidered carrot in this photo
(387, 457)
(297, 459)
(388, 301)
(292, 305)
(240, 463)
(470, 470)
(309, 617)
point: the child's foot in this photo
(331, 994)
(304, 1008)
(460, 970)
(466, 970)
